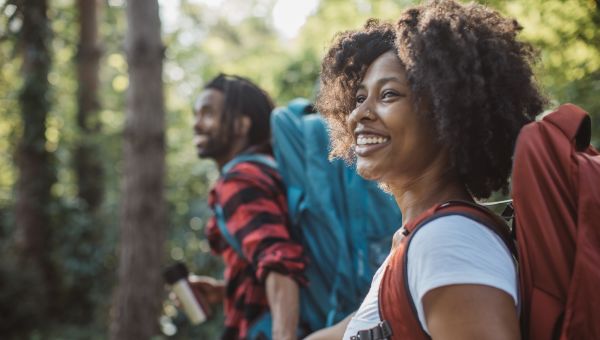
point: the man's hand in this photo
(207, 288)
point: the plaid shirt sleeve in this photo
(255, 209)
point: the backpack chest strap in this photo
(382, 331)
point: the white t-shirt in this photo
(449, 250)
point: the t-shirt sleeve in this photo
(457, 250)
(255, 212)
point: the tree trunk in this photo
(88, 163)
(34, 162)
(140, 289)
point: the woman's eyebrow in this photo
(391, 79)
(383, 81)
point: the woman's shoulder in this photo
(455, 249)
(453, 230)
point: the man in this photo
(232, 119)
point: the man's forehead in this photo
(208, 97)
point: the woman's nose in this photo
(361, 112)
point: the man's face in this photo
(208, 110)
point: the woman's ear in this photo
(242, 126)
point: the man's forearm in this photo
(283, 297)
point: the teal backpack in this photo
(344, 222)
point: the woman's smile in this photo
(365, 150)
(368, 142)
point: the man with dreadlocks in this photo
(263, 265)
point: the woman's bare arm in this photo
(470, 312)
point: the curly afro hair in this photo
(465, 63)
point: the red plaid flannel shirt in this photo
(254, 205)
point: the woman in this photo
(431, 109)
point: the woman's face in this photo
(391, 140)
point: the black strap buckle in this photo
(508, 213)
(382, 331)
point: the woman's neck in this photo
(435, 185)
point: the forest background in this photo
(100, 186)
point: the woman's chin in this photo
(366, 172)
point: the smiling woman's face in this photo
(390, 138)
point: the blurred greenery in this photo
(201, 41)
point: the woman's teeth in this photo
(371, 140)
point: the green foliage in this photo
(568, 36)
(9, 122)
(83, 254)
(298, 78)
(21, 298)
(81, 246)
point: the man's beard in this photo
(215, 148)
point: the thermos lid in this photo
(175, 272)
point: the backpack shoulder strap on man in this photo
(218, 209)
(397, 310)
(556, 195)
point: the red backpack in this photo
(556, 198)
(556, 195)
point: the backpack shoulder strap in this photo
(250, 157)
(231, 240)
(487, 218)
(473, 211)
(218, 209)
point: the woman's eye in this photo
(360, 99)
(388, 94)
